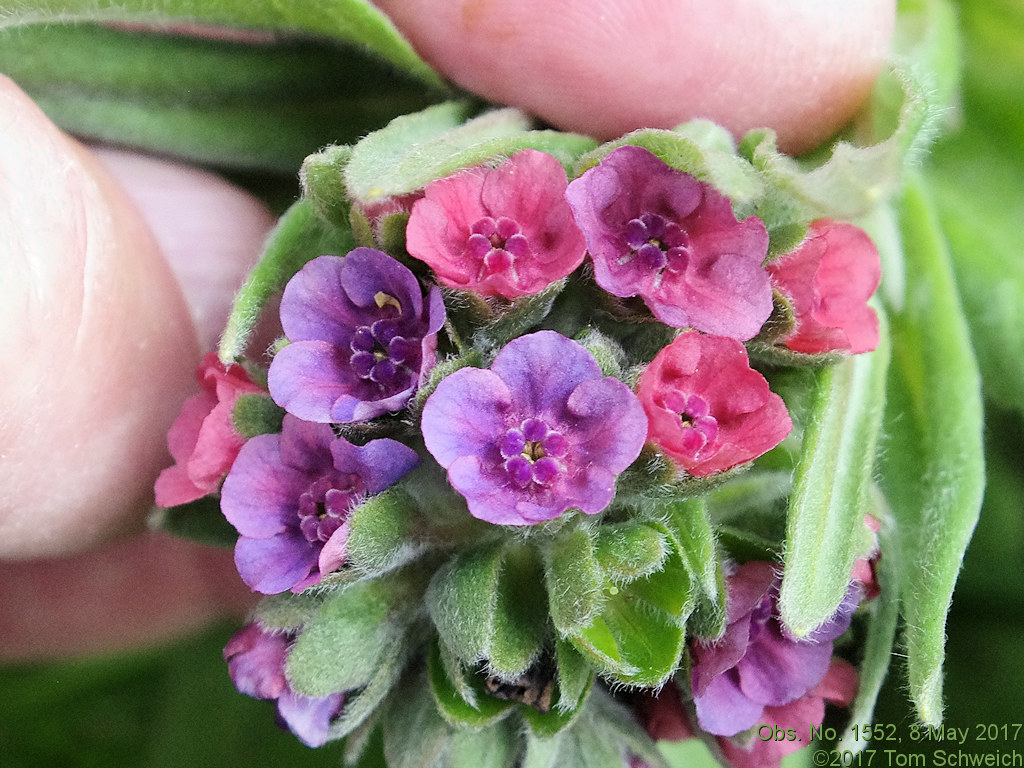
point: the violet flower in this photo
(362, 338)
(658, 233)
(757, 664)
(504, 231)
(290, 494)
(256, 660)
(539, 433)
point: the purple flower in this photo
(656, 232)
(256, 661)
(290, 494)
(539, 433)
(757, 664)
(362, 338)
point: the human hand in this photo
(101, 348)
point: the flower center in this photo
(532, 453)
(380, 353)
(657, 244)
(325, 505)
(698, 426)
(496, 244)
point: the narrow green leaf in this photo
(340, 648)
(363, 705)
(669, 588)
(932, 467)
(542, 753)
(575, 676)
(825, 532)
(691, 527)
(461, 600)
(521, 623)
(883, 616)
(350, 21)
(322, 177)
(299, 236)
(574, 581)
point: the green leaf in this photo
(200, 520)
(882, 618)
(825, 531)
(363, 705)
(287, 611)
(629, 551)
(380, 530)
(932, 468)
(521, 623)
(413, 150)
(461, 600)
(574, 581)
(669, 588)
(695, 539)
(494, 747)
(350, 21)
(575, 676)
(299, 236)
(453, 706)
(415, 735)
(340, 649)
(262, 107)
(322, 178)
(518, 317)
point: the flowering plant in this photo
(555, 426)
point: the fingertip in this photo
(99, 350)
(610, 66)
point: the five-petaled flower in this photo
(757, 665)
(541, 432)
(362, 338)
(504, 231)
(203, 440)
(707, 409)
(658, 233)
(256, 659)
(828, 281)
(289, 496)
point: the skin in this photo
(118, 271)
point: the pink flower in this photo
(707, 409)
(838, 687)
(829, 280)
(656, 232)
(504, 231)
(203, 440)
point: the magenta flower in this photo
(203, 440)
(828, 281)
(290, 494)
(539, 433)
(504, 231)
(708, 410)
(757, 664)
(256, 660)
(658, 233)
(362, 338)
(838, 686)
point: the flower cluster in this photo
(563, 357)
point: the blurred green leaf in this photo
(200, 520)
(351, 21)
(825, 531)
(932, 462)
(453, 706)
